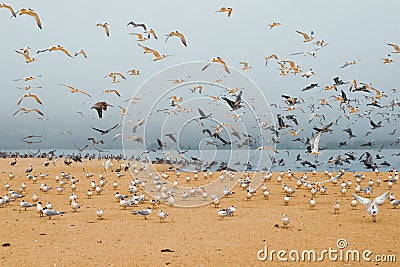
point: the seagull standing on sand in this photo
(25, 204)
(50, 213)
(99, 214)
(162, 215)
(285, 221)
(144, 213)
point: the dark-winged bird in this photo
(100, 106)
(235, 105)
(105, 131)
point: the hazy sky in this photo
(355, 30)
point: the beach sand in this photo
(189, 236)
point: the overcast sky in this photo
(354, 30)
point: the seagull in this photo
(354, 204)
(274, 24)
(306, 37)
(162, 215)
(82, 52)
(31, 13)
(218, 60)
(223, 213)
(314, 149)
(55, 48)
(285, 221)
(396, 48)
(178, 34)
(105, 27)
(395, 203)
(246, 65)
(99, 213)
(25, 110)
(75, 90)
(140, 37)
(372, 207)
(50, 213)
(336, 207)
(225, 9)
(25, 204)
(9, 8)
(312, 203)
(100, 106)
(144, 213)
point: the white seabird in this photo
(162, 215)
(25, 204)
(144, 213)
(50, 213)
(372, 207)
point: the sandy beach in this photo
(189, 236)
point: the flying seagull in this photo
(372, 207)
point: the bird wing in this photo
(396, 47)
(202, 113)
(115, 126)
(362, 200)
(107, 30)
(238, 99)
(37, 99)
(159, 143)
(380, 199)
(316, 141)
(305, 35)
(153, 33)
(99, 130)
(182, 39)
(65, 52)
(226, 67)
(9, 8)
(230, 102)
(37, 111)
(203, 69)
(36, 16)
(83, 92)
(99, 111)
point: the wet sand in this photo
(189, 236)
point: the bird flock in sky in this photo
(338, 108)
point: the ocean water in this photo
(238, 159)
